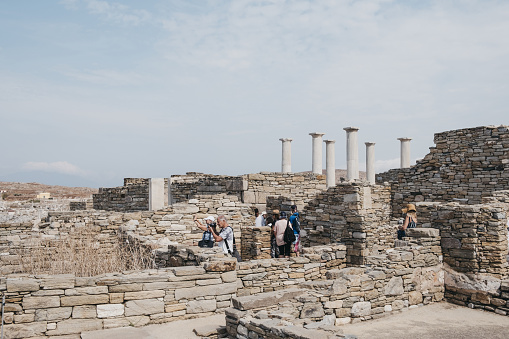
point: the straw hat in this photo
(409, 208)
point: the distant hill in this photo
(28, 191)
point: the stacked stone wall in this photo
(133, 197)
(255, 242)
(402, 278)
(357, 214)
(464, 166)
(87, 204)
(274, 274)
(65, 305)
(473, 238)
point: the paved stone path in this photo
(436, 321)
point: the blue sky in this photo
(95, 91)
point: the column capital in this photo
(351, 129)
(404, 139)
(329, 141)
(367, 143)
(316, 134)
(286, 139)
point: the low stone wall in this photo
(67, 305)
(87, 204)
(274, 274)
(403, 278)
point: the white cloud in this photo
(62, 167)
(118, 13)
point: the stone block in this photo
(84, 312)
(414, 298)
(125, 288)
(361, 309)
(229, 276)
(24, 318)
(221, 266)
(41, 302)
(21, 331)
(22, 285)
(202, 291)
(90, 290)
(312, 310)
(61, 281)
(201, 306)
(423, 232)
(110, 310)
(51, 314)
(144, 307)
(265, 299)
(144, 295)
(188, 270)
(85, 300)
(72, 326)
(394, 286)
(134, 321)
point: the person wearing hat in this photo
(279, 232)
(207, 239)
(410, 220)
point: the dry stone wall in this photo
(357, 214)
(464, 166)
(67, 305)
(402, 278)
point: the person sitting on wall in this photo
(279, 232)
(207, 239)
(410, 214)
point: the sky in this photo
(94, 91)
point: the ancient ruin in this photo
(351, 269)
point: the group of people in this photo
(279, 222)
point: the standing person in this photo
(410, 220)
(279, 232)
(207, 240)
(295, 222)
(224, 238)
(271, 221)
(257, 214)
(260, 219)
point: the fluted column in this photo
(370, 162)
(286, 161)
(405, 152)
(352, 153)
(330, 163)
(317, 152)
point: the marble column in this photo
(405, 152)
(156, 194)
(330, 163)
(317, 152)
(370, 162)
(352, 153)
(286, 161)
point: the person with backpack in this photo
(207, 240)
(294, 221)
(225, 238)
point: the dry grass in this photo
(85, 254)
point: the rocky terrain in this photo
(18, 191)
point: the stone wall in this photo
(357, 214)
(474, 238)
(80, 205)
(274, 274)
(464, 166)
(402, 278)
(255, 242)
(67, 305)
